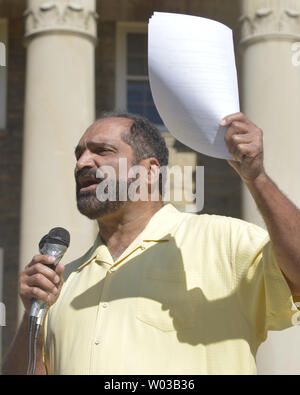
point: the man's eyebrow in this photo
(78, 149)
(93, 144)
(100, 145)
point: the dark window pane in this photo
(140, 101)
(137, 54)
(135, 92)
(137, 66)
(153, 115)
(136, 109)
(149, 97)
(137, 43)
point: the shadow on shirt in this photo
(175, 296)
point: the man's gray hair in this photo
(144, 138)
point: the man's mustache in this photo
(86, 176)
(91, 175)
(86, 173)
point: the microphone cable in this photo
(31, 326)
(36, 333)
(34, 329)
(39, 322)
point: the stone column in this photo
(271, 98)
(60, 105)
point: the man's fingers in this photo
(60, 269)
(39, 280)
(243, 152)
(34, 293)
(39, 268)
(238, 117)
(45, 259)
(238, 127)
(46, 271)
(232, 140)
(238, 134)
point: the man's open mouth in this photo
(87, 184)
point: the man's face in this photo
(101, 145)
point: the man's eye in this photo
(104, 151)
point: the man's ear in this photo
(153, 169)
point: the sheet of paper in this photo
(193, 79)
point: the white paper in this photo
(193, 79)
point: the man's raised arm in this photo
(282, 218)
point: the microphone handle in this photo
(57, 251)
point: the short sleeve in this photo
(279, 300)
(263, 292)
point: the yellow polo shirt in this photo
(191, 295)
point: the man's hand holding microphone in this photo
(38, 281)
(40, 284)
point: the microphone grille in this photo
(60, 234)
(56, 236)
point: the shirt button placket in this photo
(100, 322)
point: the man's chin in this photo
(92, 208)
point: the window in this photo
(3, 72)
(132, 84)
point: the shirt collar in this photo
(158, 229)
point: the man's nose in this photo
(85, 160)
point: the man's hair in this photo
(144, 138)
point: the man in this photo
(163, 292)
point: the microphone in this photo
(55, 244)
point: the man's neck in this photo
(120, 229)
